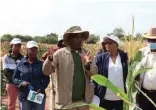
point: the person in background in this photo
(29, 76)
(72, 79)
(10, 61)
(103, 48)
(148, 78)
(114, 66)
(44, 56)
(59, 45)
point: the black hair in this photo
(60, 44)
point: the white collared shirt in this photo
(149, 77)
(145, 50)
(115, 75)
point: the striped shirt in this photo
(9, 65)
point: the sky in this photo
(41, 17)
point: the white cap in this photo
(114, 38)
(15, 41)
(102, 38)
(31, 44)
(60, 37)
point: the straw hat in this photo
(75, 30)
(151, 34)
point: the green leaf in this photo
(136, 73)
(95, 107)
(78, 104)
(134, 70)
(141, 71)
(105, 82)
(138, 56)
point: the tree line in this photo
(52, 38)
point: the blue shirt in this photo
(26, 72)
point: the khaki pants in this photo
(78, 108)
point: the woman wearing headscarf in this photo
(28, 76)
(113, 65)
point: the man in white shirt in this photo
(148, 79)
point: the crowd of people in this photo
(71, 67)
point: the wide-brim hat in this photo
(75, 30)
(151, 34)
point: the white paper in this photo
(96, 100)
(34, 97)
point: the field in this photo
(131, 47)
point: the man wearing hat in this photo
(148, 79)
(72, 78)
(10, 61)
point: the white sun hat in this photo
(15, 41)
(114, 38)
(31, 44)
(102, 38)
(60, 37)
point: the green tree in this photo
(38, 38)
(6, 37)
(93, 39)
(52, 35)
(118, 32)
